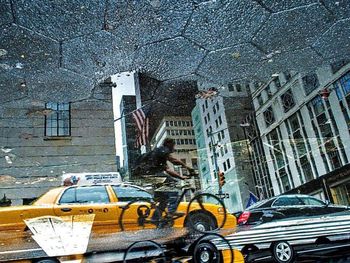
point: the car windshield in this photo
(204, 110)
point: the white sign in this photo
(61, 236)
(91, 178)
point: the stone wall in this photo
(31, 163)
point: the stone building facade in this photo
(306, 135)
(39, 141)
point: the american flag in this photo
(142, 127)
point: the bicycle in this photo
(205, 213)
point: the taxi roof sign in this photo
(69, 179)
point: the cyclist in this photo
(154, 163)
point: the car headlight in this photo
(221, 210)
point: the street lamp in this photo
(216, 166)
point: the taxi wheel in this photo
(201, 222)
(209, 222)
(282, 252)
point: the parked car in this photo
(105, 201)
(287, 206)
(290, 239)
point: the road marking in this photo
(20, 251)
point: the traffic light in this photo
(221, 178)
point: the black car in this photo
(287, 206)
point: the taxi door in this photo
(85, 200)
(128, 194)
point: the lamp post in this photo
(216, 166)
(244, 126)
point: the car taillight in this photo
(243, 218)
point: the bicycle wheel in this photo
(144, 251)
(137, 215)
(206, 213)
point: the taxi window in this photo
(287, 201)
(86, 194)
(68, 196)
(129, 193)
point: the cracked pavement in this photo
(55, 45)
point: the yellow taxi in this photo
(105, 201)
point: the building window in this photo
(206, 104)
(336, 66)
(238, 87)
(57, 121)
(285, 185)
(269, 116)
(217, 106)
(225, 147)
(222, 151)
(287, 75)
(225, 168)
(260, 100)
(287, 100)
(220, 120)
(228, 164)
(214, 109)
(277, 83)
(310, 83)
(230, 87)
(268, 91)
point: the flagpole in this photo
(131, 112)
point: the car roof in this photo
(295, 195)
(259, 203)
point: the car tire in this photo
(47, 260)
(206, 252)
(282, 252)
(201, 222)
